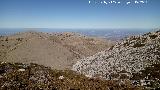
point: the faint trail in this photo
(13, 48)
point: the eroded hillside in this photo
(56, 50)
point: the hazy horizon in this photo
(111, 34)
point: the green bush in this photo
(138, 45)
(153, 36)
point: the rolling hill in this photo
(56, 50)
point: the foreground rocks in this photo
(137, 58)
(15, 76)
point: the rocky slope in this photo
(18, 76)
(131, 58)
(56, 50)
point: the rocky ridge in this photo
(123, 60)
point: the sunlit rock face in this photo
(122, 60)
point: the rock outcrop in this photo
(121, 61)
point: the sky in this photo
(79, 14)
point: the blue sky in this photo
(78, 14)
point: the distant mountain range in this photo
(111, 34)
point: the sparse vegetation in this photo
(138, 45)
(153, 36)
(6, 39)
(19, 39)
(150, 75)
(36, 76)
